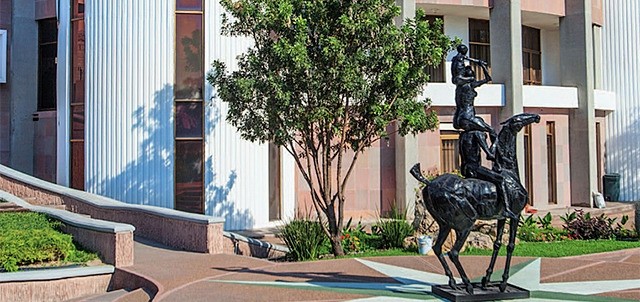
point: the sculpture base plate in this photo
(492, 292)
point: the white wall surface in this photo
(63, 92)
(550, 48)
(129, 115)
(621, 67)
(455, 26)
(129, 102)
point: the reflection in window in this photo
(189, 5)
(189, 176)
(189, 73)
(189, 119)
(189, 110)
(77, 94)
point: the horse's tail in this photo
(417, 173)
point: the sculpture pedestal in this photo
(492, 292)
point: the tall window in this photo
(47, 61)
(552, 179)
(528, 163)
(599, 155)
(531, 56)
(189, 109)
(436, 73)
(449, 152)
(77, 94)
(479, 44)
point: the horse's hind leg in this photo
(513, 229)
(437, 249)
(461, 237)
(496, 248)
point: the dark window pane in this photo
(189, 176)
(47, 52)
(78, 8)
(189, 72)
(437, 72)
(191, 5)
(77, 124)
(77, 165)
(479, 31)
(48, 31)
(78, 63)
(189, 119)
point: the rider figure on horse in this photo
(473, 137)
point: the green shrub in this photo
(305, 238)
(29, 238)
(539, 230)
(394, 230)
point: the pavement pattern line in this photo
(575, 269)
(415, 285)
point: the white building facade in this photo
(621, 74)
(145, 128)
(131, 116)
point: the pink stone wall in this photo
(370, 189)
(114, 248)
(175, 232)
(597, 14)
(183, 234)
(552, 7)
(54, 290)
(481, 3)
(539, 154)
(31, 194)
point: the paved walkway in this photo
(185, 276)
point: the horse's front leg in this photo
(513, 230)
(437, 249)
(461, 238)
(496, 248)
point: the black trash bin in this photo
(611, 186)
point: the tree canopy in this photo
(325, 77)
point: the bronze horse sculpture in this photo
(456, 203)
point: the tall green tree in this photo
(324, 79)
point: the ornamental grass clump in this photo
(304, 238)
(393, 230)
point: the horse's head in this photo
(519, 121)
(506, 145)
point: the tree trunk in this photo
(335, 233)
(336, 245)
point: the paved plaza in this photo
(185, 276)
